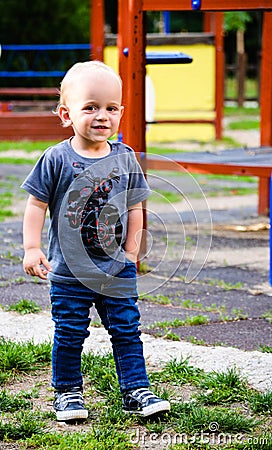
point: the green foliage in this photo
(18, 357)
(244, 125)
(42, 21)
(21, 426)
(191, 418)
(100, 370)
(13, 403)
(236, 20)
(109, 428)
(189, 321)
(265, 348)
(25, 306)
(222, 387)
(261, 402)
(98, 438)
(178, 371)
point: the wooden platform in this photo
(255, 162)
(40, 126)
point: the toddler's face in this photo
(93, 106)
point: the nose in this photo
(101, 114)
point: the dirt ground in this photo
(219, 242)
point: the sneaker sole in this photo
(72, 414)
(163, 406)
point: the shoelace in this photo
(142, 395)
(70, 397)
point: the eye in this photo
(91, 108)
(112, 109)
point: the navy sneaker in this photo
(69, 404)
(144, 403)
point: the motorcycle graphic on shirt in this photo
(99, 222)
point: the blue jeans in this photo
(120, 316)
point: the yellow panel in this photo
(185, 86)
(181, 91)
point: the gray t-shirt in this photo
(88, 201)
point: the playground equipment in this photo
(132, 36)
(132, 69)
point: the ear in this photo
(64, 115)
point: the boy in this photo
(94, 190)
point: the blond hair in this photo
(81, 68)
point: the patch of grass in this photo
(195, 341)
(241, 111)
(244, 125)
(100, 371)
(109, 428)
(98, 438)
(265, 349)
(144, 267)
(178, 371)
(192, 418)
(17, 160)
(172, 336)
(5, 202)
(261, 402)
(189, 321)
(162, 196)
(223, 284)
(230, 191)
(13, 402)
(159, 299)
(267, 315)
(27, 146)
(10, 258)
(21, 426)
(23, 357)
(25, 306)
(222, 387)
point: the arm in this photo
(134, 231)
(35, 263)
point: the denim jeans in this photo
(71, 304)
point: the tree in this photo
(237, 21)
(44, 22)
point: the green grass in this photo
(24, 306)
(251, 88)
(235, 111)
(220, 407)
(5, 202)
(244, 125)
(162, 196)
(27, 146)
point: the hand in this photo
(131, 256)
(36, 264)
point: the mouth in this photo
(100, 127)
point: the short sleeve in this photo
(40, 181)
(138, 186)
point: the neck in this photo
(97, 150)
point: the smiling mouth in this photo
(100, 127)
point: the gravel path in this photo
(254, 365)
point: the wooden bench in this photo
(34, 126)
(255, 162)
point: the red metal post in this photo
(131, 37)
(131, 47)
(266, 106)
(219, 74)
(97, 29)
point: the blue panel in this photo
(168, 58)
